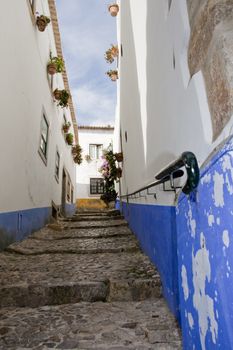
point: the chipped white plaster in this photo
(190, 320)
(211, 220)
(218, 189)
(229, 186)
(206, 179)
(218, 221)
(185, 282)
(202, 302)
(191, 222)
(226, 238)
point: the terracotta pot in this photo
(114, 77)
(119, 173)
(115, 51)
(41, 24)
(57, 94)
(113, 9)
(51, 68)
(119, 157)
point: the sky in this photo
(87, 31)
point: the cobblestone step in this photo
(82, 285)
(93, 218)
(87, 233)
(71, 246)
(146, 325)
(95, 224)
(95, 213)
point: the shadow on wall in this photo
(131, 123)
(158, 99)
(5, 239)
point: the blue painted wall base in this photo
(14, 226)
(155, 228)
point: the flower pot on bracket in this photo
(113, 9)
(42, 22)
(119, 157)
(51, 68)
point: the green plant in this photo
(58, 62)
(69, 139)
(111, 53)
(77, 154)
(44, 18)
(62, 96)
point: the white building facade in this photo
(93, 140)
(37, 169)
(175, 95)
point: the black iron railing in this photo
(172, 171)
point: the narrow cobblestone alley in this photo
(83, 284)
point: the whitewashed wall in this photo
(163, 110)
(90, 169)
(24, 92)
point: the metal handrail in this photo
(173, 171)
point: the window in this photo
(95, 151)
(96, 186)
(44, 138)
(57, 165)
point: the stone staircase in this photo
(83, 284)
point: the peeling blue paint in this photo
(210, 284)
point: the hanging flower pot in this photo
(42, 22)
(113, 9)
(111, 53)
(51, 68)
(118, 172)
(55, 65)
(62, 96)
(57, 94)
(65, 127)
(77, 154)
(119, 157)
(113, 74)
(69, 139)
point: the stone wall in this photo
(211, 50)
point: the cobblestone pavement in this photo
(83, 288)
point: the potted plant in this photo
(111, 53)
(118, 172)
(55, 65)
(66, 126)
(113, 9)
(42, 21)
(62, 96)
(57, 94)
(69, 139)
(113, 74)
(77, 154)
(119, 157)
